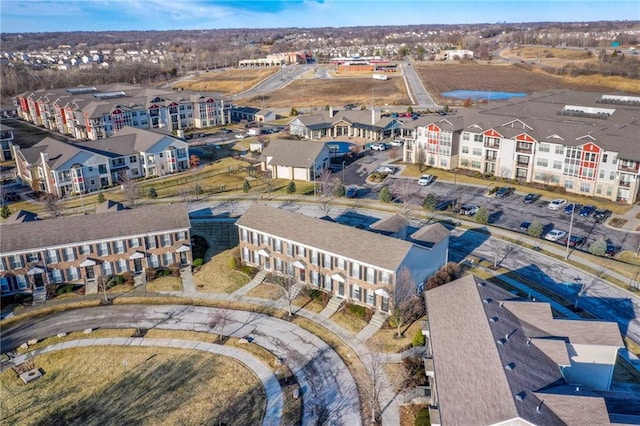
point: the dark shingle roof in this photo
(77, 229)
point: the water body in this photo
(480, 94)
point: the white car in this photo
(468, 210)
(557, 204)
(379, 147)
(241, 136)
(397, 142)
(386, 170)
(425, 180)
(555, 235)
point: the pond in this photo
(482, 94)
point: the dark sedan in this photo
(531, 198)
(587, 210)
(601, 215)
(572, 207)
(575, 241)
(612, 250)
(503, 191)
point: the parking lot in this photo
(507, 212)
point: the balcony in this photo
(524, 149)
(523, 164)
(492, 158)
(628, 168)
(624, 184)
(494, 145)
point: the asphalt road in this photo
(324, 379)
(421, 97)
(276, 81)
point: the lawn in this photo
(348, 321)
(133, 385)
(386, 341)
(167, 283)
(227, 81)
(216, 276)
(312, 300)
(267, 291)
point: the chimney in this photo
(330, 112)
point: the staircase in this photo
(378, 319)
(332, 307)
(376, 322)
(39, 295)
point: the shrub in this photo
(233, 263)
(418, 339)
(248, 270)
(339, 190)
(482, 215)
(599, 247)
(422, 418)
(429, 202)
(535, 229)
(358, 311)
(128, 277)
(198, 262)
(291, 187)
(151, 193)
(246, 186)
(100, 197)
(385, 195)
(67, 288)
(493, 189)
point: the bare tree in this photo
(328, 184)
(129, 187)
(635, 242)
(291, 288)
(103, 286)
(404, 192)
(376, 382)
(267, 181)
(447, 273)
(407, 305)
(53, 205)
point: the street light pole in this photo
(343, 162)
(573, 208)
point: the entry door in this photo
(137, 265)
(38, 281)
(341, 289)
(89, 272)
(183, 258)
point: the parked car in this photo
(587, 210)
(386, 170)
(11, 196)
(468, 209)
(445, 204)
(351, 192)
(572, 207)
(241, 136)
(378, 147)
(575, 240)
(555, 235)
(503, 191)
(397, 142)
(601, 215)
(531, 198)
(223, 130)
(524, 226)
(612, 250)
(557, 204)
(425, 180)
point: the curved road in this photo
(324, 379)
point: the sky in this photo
(104, 15)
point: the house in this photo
(366, 124)
(360, 266)
(62, 168)
(246, 113)
(295, 160)
(79, 249)
(495, 359)
(580, 141)
(264, 115)
(6, 143)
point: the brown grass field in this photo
(228, 81)
(91, 386)
(216, 276)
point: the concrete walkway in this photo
(272, 388)
(631, 216)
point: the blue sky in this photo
(100, 15)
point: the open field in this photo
(92, 386)
(546, 54)
(228, 81)
(303, 93)
(443, 77)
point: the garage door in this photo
(300, 174)
(283, 172)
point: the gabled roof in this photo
(59, 152)
(21, 216)
(77, 229)
(351, 243)
(430, 234)
(390, 225)
(490, 359)
(292, 153)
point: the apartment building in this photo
(511, 362)
(98, 112)
(63, 168)
(360, 266)
(6, 143)
(366, 124)
(584, 142)
(295, 160)
(79, 249)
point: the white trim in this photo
(137, 255)
(87, 262)
(183, 248)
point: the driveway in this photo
(323, 377)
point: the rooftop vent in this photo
(520, 396)
(494, 319)
(510, 366)
(501, 304)
(481, 284)
(502, 341)
(487, 300)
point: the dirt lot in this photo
(337, 92)
(229, 81)
(439, 78)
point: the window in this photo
(342, 264)
(182, 236)
(385, 277)
(585, 187)
(4, 284)
(466, 136)
(244, 235)
(601, 174)
(254, 238)
(371, 275)
(355, 292)
(103, 249)
(557, 164)
(119, 246)
(315, 278)
(371, 298)
(277, 245)
(544, 147)
(355, 270)
(133, 159)
(542, 162)
(21, 280)
(69, 254)
(102, 168)
(32, 257)
(16, 261)
(612, 176)
(56, 275)
(477, 151)
(107, 269)
(52, 256)
(568, 184)
(1, 264)
(245, 254)
(73, 273)
(444, 162)
(166, 240)
(151, 242)
(478, 137)
(302, 251)
(314, 257)
(465, 149)
(559, 149)
(134, 242)
(476, 164)
(290, 249)
(605, 157)
(167, 259)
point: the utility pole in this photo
(573, 208)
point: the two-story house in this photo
(79, 249)
(357, 265)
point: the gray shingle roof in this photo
(293, 153)
(76, 229)
(486, 368)
(363, 246)
(431, 234)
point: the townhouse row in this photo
(98, 112)
(80, 249)
(63, 168)
(584, 142)
(362, 266)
